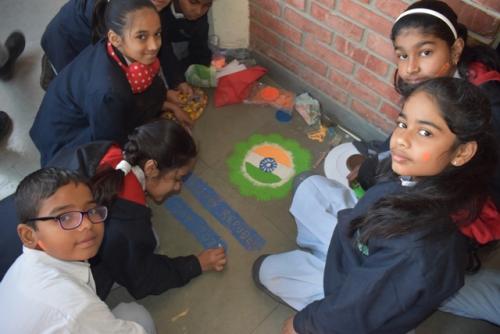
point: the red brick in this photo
(330, 57)
(493, 4)
(361, 56)
(308, 25)
(328, 3)
(299, 4)
(371, 116)
(319, 12)
(475, 19)
(277, 56)
(355, 89)
(381, 46)
(391, 7)
(365, 16)
(344, 27)
(326, 87)
(264, 34)
(276, 25)
(381, 87)
(390, 111)
(272, 6)
(304, 58)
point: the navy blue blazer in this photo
(388, 286)
(184, 43)
(90, 100)
(68, 33)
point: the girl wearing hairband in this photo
(151, 164)
(110, 88)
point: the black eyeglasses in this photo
(73, 219)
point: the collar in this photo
(406, 181)
(80, 270)
(174, 13)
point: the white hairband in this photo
(430, 12)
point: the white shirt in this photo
(41, 294)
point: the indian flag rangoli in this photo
(264, 166)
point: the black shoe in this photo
(15, 43)
(47, 74)
(5, 125)
(256, 278)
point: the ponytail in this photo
(163, 141)
(98, 24)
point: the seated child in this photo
(66, 35)
(185, 39)
(385, 263)
(110, 88)
(152, 164)
(50, 287)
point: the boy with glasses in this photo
(61, 227)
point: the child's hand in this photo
(212, 259)
(185, 88)
(180, 115)
(288, 327)
(174, 96)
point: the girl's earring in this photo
(454, 162)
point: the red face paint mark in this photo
(443, 70)
(426, 156)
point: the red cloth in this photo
(235, 87)
(486, 227)
(478, 73)
(139, 75)
(132, 189)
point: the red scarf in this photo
(139, 76)
(486, 227)
(478, 73)
(132, 189)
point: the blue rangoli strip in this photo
(194, 223)
(229, 218)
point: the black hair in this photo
(112, 15)
(435, 199)
(163, 141)
(432, 25)
(40, 185)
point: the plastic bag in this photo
(308, 107)
(235, 87)
(201, 76)
(278, 98)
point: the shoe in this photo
(256, 278)
(5, 125)
(15, 43)
(47, 74)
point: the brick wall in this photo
(341, 47)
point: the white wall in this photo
(230, 21)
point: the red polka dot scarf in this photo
(139, 76)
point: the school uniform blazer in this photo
(388, 286)
(90, 100)
(127, 253)
(179, 34)
(68, 33)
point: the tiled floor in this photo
(223, 303)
